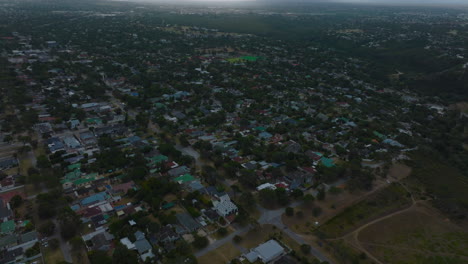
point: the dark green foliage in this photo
(200, 242)
(305, 248)
(289, 211)
(99, 257)
(16, 201)
(47, 228)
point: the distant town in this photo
(139, 133)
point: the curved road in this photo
(272, 217)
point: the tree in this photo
(16, 201)
(321, 194)
(282, 196)
(308, 198)
(200, 242)
(222, 231)
(289, 211)
(43, 161)
(99, 257)
(54, 243)
(47, 228)
(267, 197)
(122, 255)
(305, 248)
(247, 201)
(317, 211)
(297, 193)
(237, 239)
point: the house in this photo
(292, 146)
(87, 138)
(224, 206)
(141, 245)
(188, 222)
(267, 252)
(266, 186)
(12, 255)
(5, 211)
(181, 170)
(165, 234)
(186, 178)
(8, 163)
(7, 227)
(55, 144)
(123, 187)
(98, 197)
(71, 142)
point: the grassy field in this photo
(451, 189)
(386, 200)
(417, 236)
(52, 256)
(221, 255)
(345, 254)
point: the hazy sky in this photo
(348, 1)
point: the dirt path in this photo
(352, 237)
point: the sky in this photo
(408, 2)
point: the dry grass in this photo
(52, 256)
(221, 255)
(416, 236)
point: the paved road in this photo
(222, 241)
(273, 217)
(63, 244)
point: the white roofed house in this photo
(224, 206)
(267, 252)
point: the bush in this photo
(289, 211)
(317, 211)
(47, 228)
(305, 248)
(54, 243)
(222, 231)
(299, 214)
(200, 242)
(237, 239)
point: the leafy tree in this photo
(43, 162)
(200, 242)
(47, 228)
(305, 248)
(289, 211)
(317, 211)
(16, 201)
(122, 255)
(237, 239)
(222, 231)
(321, 194)
(99, 257)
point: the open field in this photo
(451, 189)
(221, 255)
(336, 203)
(344, 253)
(416, 236)
(392, 198)
(52, 256)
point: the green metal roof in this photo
(74, 166)
(184, 178)
(7, 227)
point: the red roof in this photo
(123, 187)
(281, 185)
(309, 169)
(6, 197)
